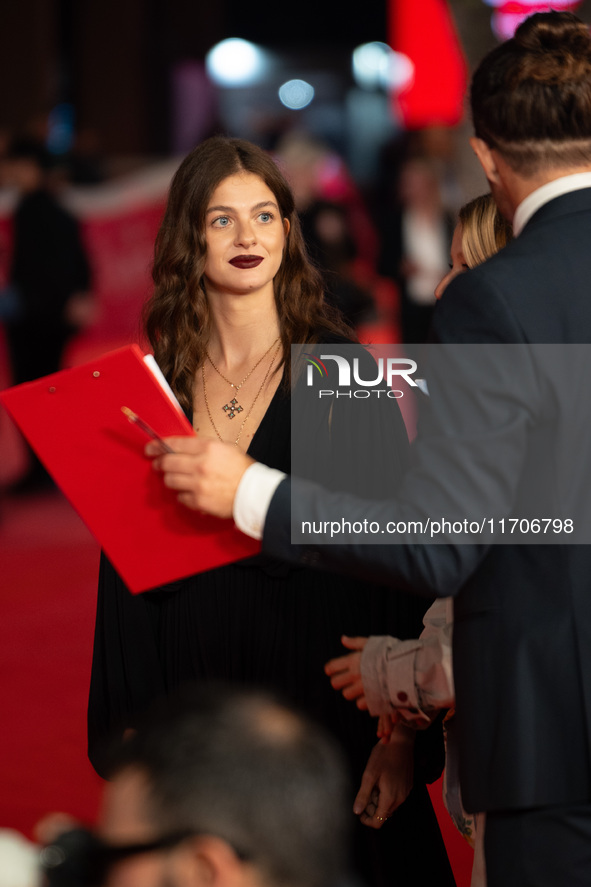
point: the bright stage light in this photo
(376, 65)
(235, 62)
(296, 94)
(509, 14)
(532, 6)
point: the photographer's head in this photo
(531, 107)
(230, 789)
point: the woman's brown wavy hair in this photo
(176, 317)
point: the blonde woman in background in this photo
(481, 232)
(384, 670)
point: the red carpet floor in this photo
(47, 594)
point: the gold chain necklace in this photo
(238, 409)
(232, 408)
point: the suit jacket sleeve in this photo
(469, 453)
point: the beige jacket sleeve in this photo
(413, 677)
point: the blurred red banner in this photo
(425, 32)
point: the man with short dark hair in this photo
(221, 788)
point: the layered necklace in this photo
(232, 408)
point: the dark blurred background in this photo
(117, 64)
(113, 75)
(116, 61)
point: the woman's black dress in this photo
(263, 623)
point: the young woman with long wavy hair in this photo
(233, 290)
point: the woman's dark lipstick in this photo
(246, 261)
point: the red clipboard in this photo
(73, 421)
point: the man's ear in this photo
(487, 160)
(209, 861)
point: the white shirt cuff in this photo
(253, 497)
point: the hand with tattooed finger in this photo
(388, 778)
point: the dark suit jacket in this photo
(522, 636)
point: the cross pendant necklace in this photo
(232, 409)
